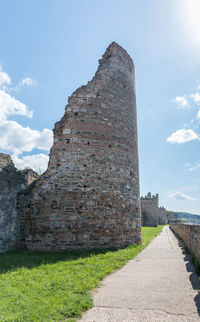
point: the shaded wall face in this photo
(190, 234)
(11, 182)
(149, 205)
(152, 215)
(89, 196)
(162, 218)
(9, 186)
(149, 220)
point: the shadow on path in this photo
(194, 278)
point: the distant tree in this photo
(149, 195)
(168, 213)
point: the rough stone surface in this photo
(190, 234)
(160, 285)
(152, 214)
(89, 195)
(12, 182)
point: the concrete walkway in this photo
(158, 285)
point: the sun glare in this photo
(191, 19)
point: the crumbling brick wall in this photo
(12, 182)
(89, 195)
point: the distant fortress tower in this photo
(152, 214)
(89, 196)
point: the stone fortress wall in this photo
(152, 214)
(190, 234)
(12, 181)
(89, 195)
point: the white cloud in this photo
(18, 139)
(181, 102)
(180, 196)
(4, 78)
(27, 81)
(196, 167)
(198, 115)
(196, 98)
(181, 136)
(11, 106)
(37, 162)
(187, 164)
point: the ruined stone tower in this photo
(89, 195)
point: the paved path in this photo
(158, 285)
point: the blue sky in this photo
(49, 48)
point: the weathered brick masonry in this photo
(190, 234)
(89, 195)
(12, 182)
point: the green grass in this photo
(38, 286)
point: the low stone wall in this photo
(190, 234)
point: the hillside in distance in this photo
(189, 218)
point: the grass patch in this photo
(38, 286)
